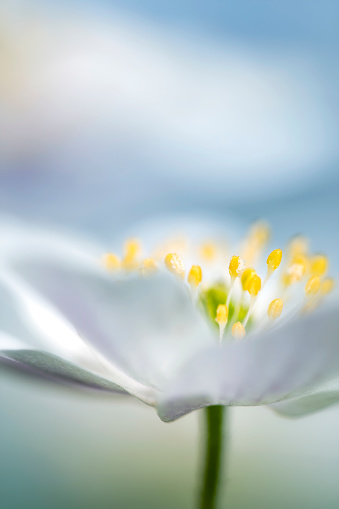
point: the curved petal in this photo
(49, 365)
(19, 241)
(286, 363)
(145, 327)
(36, 335)
(311, 402)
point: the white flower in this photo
(64, 314)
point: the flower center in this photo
(231, 294)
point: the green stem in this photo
(214, 416)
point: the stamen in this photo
(235, 269)
(175, 265)
(208, 251)
(111, 261)
(148, 266)
(238, 330)
(275, 308)
(273, 261)
(221, 319)
(297, 246)
(319, 265)
(312, 286)
(253, 288)
(296, 271)
(132, 251)
(195, 276)
(254, 285)
(327, 286)
(257, 239)
(246, 276)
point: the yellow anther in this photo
(275, 309)
(236, 267)
(111, 261)
(260, 232)
(222, 314)
(221, 319)
(254, 285)
(303, 260)
(208, 251)
(294, 273)
(319, 265)
(274, 259)
(195, 276)
(149, 265)
(238, 330)
(327, 286)
(175, 264)
(256, 240)
(132, 251)
(132, 248)
(312, 286)
(246, 275)
(297, 246)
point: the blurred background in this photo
(116, 112)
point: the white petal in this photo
(33, 333)
(20, 241)
(282, 364)
(312, 401)
(46, 364)
(146, 327)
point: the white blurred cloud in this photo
(215, 113)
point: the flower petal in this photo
(19, 241)
(311, 402)
(285, 363)
(46, 364)
(36, 335)
(146, 327)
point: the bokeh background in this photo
(115, 112)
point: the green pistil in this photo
(210, 299)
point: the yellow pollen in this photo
(298, 246)
(303, 260)
(236, 267)
(246, 276)
(274, 259)
(256, 240)
(238, 330)
(319, 265)
(275, 308)
(208, 251)
(222, 314)
(175, 264)
(132, 248)
(327, 286)
(254, 285)
(111, 261)
(132, 251)
(149, 265)
(312, 286)
(294, 274)
(260, 232)
(195, 276)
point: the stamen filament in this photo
(230, 292)
(221, 319)
(250, 309)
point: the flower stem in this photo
(214, 417)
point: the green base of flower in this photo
(210, 299)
